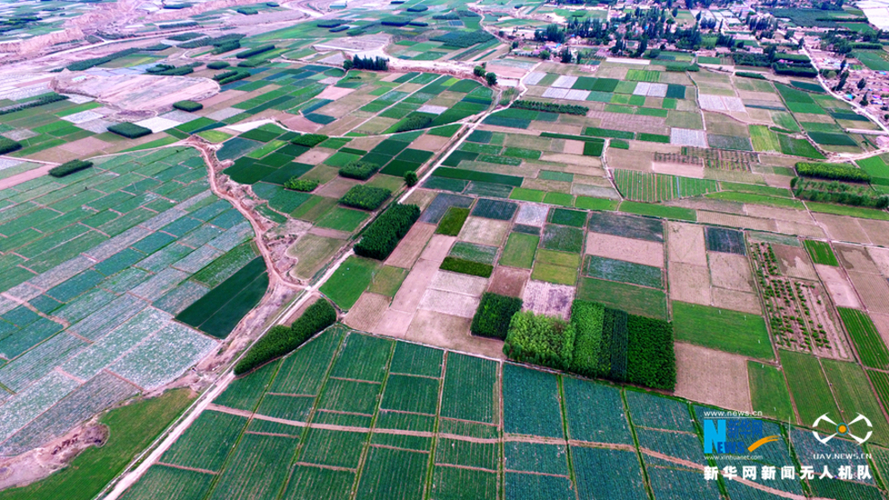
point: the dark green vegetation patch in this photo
(494, 314)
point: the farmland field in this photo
(710, 327)
(173, 202)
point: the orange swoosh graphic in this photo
(767, 439)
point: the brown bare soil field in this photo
(301, 124)
(728, 207)
(568, 159)
(450, 303)
(573, 147)
(794, 261)
(842, 228)
(880, 257)
(873, 289)
(394, 323)
(315, 156)
(334, 93)
(796, 228)
(223, 97)
(838, 286)
(137, 92)
(336, 188)
(736, 221)
(649, 253)
(548, 298)
(329, 233)
(504, 71)
(451, 332)
(629, 159)
(685, 243)
(545, 185)
(522, 140)
(484, 231)
(463, 284)
(765, 212)
(631, 123)
(855, 259)
(689, 283)
(759, 96)
(414, 286)
(366, 143)
(881, 321)
(85, 147)
(408, 251)
(779, 181)
(432, 143)
(557, 128)
(696, 171)
(877, 230)
(736, 301)
(365, 314)
(421, 197)
(731, 271)
(509, 281)
(712, 377)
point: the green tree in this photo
(478, 71)
(861, 84)
(491, 78)
(410, 178)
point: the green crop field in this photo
(350, 280)
(729, 331)
(519, 250)
(633, 299)
(821, 253)
(808, 386)
(768, 391)
(646, 187)
(854, 396)
(870, 346)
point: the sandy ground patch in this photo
(842, 228)
(631, 160)
(685, 243)
(689, 283)
(334, 93)
(728, 270)
(736, 221)
(345, 125)
(736, 301)
(855, 259)
(85, 146)
(649, 253)
(794, 261)
(337, 187)
(432, 143)
(137, 92)
(557, 128)
(573, 147)
(548, 298)
(301, 124)
(365, 314)
(464, 284)
(314, 156)
(696, 171)
(873, 290)
(877, 230)
(838, 286)
(408, 250)
(393, 323)
(728, 207)
(484, 231)
(778, 213)
(798, 229)
(450, 332)
(880, 257)
(455, 304)
(509, 281)
(712, 377)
